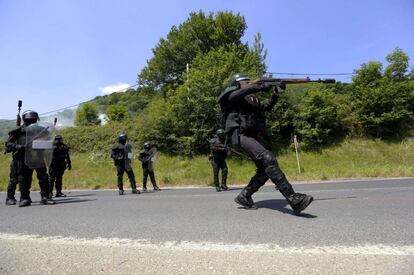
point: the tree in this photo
(87, 115)
(398, 67)
(318, 121)
(199, 34)
(383, 103)
(117, 112)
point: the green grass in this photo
(350, 159)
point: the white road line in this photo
(384, 250)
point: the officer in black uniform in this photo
(244, 116)
(60, 161)
(146, 156)
(11, 188)
(123, 163)
(219, 152)
(16, 143)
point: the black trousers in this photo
(25, 180)
(217, 165)
(266, 166)
(14, 179)
(120, 174)
(56, 172)
(147, 171)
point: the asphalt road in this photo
(351, 227)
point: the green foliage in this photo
(117, 113)
(87, 115)
(85, 139)
(199, 34)
(398, 67)
(190, 114)
(135, 100)
(318, 121)
(383, 103)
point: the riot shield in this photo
(151, 162)
(39, 145)
(129, 156)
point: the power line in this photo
(68, 107)
(311, 74)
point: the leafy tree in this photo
(87, 115)
(117, 112)
(398, 67)
(369, 74)
(318, 121)
(190, 114)
(383, 103)
(199, 34)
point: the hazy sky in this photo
(59, 53)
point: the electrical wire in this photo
(72, 106)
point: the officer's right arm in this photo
(241, 93)
(11, 143)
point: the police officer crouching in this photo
(122, 156)
(146, 156)
(245, 120)
(17, 143)
(60, 161)
(219, 152)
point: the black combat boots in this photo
(299, 202)
(245, 199)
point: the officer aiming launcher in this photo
(245, 120)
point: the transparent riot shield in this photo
(129, 156)
(152, 157)
(39, 145)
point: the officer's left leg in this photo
(154, 183)
(43, 179)
(25, 181)
(224, 171)
(120, 174)
(297, 201)
(11, 188)
(52, 179)
(216, 174)
(59, 182)
(131, 178)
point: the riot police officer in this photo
(244, 117)
(17, 144)
(122, 156)
(146, 156)
(11, 187)
(60, 161)
(218, 159)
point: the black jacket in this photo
(243, 110)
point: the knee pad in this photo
(267, 159)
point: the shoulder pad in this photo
(226, 92)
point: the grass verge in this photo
(350, 159)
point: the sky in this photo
(57, 53)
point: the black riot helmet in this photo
(236, 78)
(220, 133)
(58, 139)
(147, 145)
(122, 138)
(30, 117)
